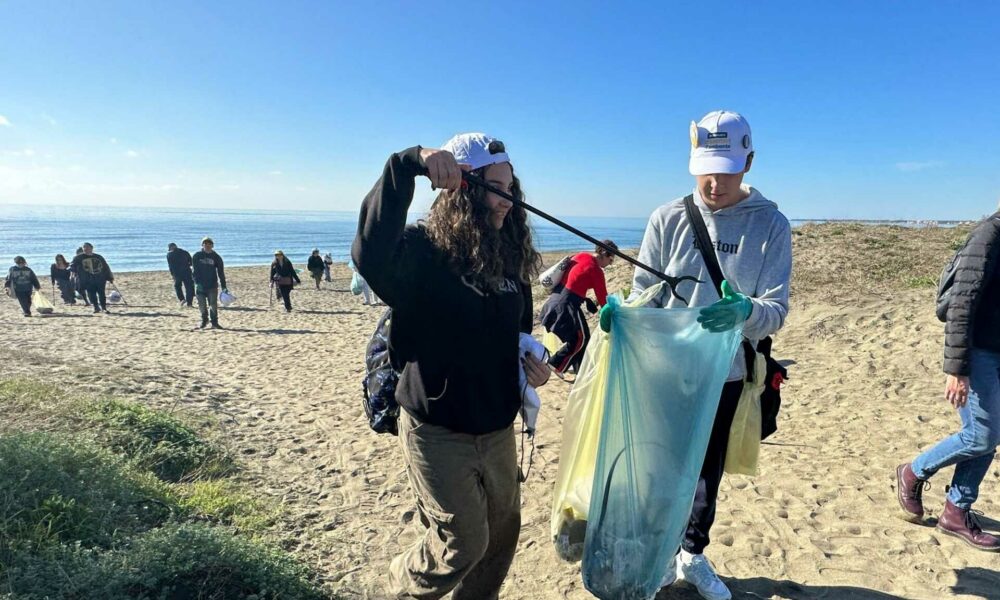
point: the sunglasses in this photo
(496, 147)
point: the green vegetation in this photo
(157, 441)
(923, 281)
(110, 499)
(851, 259)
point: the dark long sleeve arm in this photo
(221, 269)
(379, 249)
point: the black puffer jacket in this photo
(974, 309)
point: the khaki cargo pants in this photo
(469, 504)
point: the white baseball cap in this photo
(477, 150)
(720, 143)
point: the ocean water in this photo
(135, 239)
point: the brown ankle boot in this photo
(909, 491)
(963, 524)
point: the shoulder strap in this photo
(712, 263)
(704, 242)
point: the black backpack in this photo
(379, 384)
(945, 283)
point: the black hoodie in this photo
(179, 261)
(21, 279)
(91, 268)
(209, 269)
(456, 344)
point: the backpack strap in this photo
(704, 241)
(707, 250)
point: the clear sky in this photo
(859, 109)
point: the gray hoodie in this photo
(754, 244)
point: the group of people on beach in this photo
(86, 278)
(201, 276)
(458, 283)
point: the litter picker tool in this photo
(673, 282)
(124, 301)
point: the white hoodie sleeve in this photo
(650, 254)
(770, 303)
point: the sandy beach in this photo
(820, 520)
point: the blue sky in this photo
(859, 109)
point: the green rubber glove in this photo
(607, 311)
(733, 309)
(198, 289)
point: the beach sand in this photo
(820, 520)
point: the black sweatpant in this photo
(188, 282)
(574, 345)
(703, 511)
(66, 291)
(24, 299)
(95, 291)
(285, 292)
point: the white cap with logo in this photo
(477, 150)
(720, 143)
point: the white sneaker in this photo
(671, 575)
(696, 570)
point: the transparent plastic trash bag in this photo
(226, 298)
(43, 305)
(581, 433)
(664, 378)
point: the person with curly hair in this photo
(458, 286)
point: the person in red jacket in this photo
(562, 315)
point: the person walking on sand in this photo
(209, 273)
(368, 297)
(61, 278)
(315, 266)
(20, 282)
(562, 312)
(455, 282)
(77, 282)
(284, 277)
(94, 274)
(753, 244)
(179, 262)
(972, 386)
(327, 263)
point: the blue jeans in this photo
(971, 450)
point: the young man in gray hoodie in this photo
(753, 243)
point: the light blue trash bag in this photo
(664, 382)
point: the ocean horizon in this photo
(135, 239)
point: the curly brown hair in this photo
(459, 225)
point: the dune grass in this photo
(108, 499)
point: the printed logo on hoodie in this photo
(721, 246)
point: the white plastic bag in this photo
(226, 298)
(43, 305)
(553, 276)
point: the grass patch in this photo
(157, 441)
(224, 502)
(851, 259)
(923, 281)
(56, 490)
(152, 440)
(114, 500)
